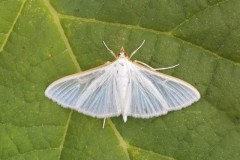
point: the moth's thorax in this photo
(122, 67)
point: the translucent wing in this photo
(92, 92)
(154, 94)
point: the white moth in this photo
(122, 87)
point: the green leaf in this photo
(43, 40)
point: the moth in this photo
(122, 87)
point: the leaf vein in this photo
(12, 27)
(213, 53)
(189, 18)
(73, 58)
(140, 148)
(61, 31)
(122, 142)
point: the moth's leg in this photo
(103, 122)
(156, 69)
(109, 50)
(136, 50)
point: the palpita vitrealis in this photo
(122, 87)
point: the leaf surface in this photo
(41, 41)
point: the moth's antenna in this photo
(136, 49)
(109, 50)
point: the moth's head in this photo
(122, 53)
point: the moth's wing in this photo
(153, 93)
(91, 92)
